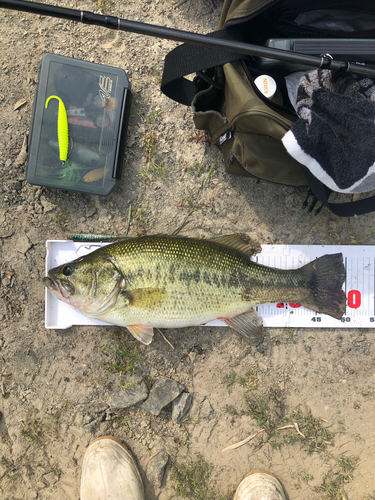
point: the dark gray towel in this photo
(335, 134)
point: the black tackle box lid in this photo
(96, 99)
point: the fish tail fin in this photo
(325, 276)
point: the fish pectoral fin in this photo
(144, 298)
(249, 324)
(240, 242)
(143, 333)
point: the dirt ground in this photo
(323, 379)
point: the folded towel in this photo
(335, 134)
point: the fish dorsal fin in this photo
(240, 242)
(143, 333)
(249, 324)
(145, 298)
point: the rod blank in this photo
(180, 35)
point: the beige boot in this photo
(109, 471)
(260, 485)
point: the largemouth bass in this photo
(174, 282)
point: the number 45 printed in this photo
(354, 302)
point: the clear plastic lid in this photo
(79, 125)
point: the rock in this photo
(90, 427)
(87, 419)
(164, 391)
(180, 406)
(47, 205)
(3, 427)
(134, 392)
(206, 410)
(50, 478)
(156, 468)
(90, 211)
(192, 356)
(15, 185)
(92, 408)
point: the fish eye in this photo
(68, 270)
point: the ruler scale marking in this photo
(359, 264)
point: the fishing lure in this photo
(62, 128)
(95, 175)
(93, 237)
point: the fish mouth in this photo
(53, 286)
(57, 288)
(50, 284)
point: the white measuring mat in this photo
(359, 286)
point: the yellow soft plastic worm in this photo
(62, 128)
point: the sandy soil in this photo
(46, 374)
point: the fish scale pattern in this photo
(199, 280)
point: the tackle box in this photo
(78, 127)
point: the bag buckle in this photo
(313, 203)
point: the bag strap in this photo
(188, 59)
(322, 193)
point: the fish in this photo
(174, 282)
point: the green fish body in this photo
(174, 282)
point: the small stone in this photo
(180, 406)
(40, 485)
(16, 185)
(134, 392)
(164, 391)
(156, 468)
(50, 478)
(307, 348)
(92, 408)
(8, 163)
(192, 356)
(87, 419)
(47, 205)
(206, 410)
(90, 211)
(90, 427)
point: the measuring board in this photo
(359, 286)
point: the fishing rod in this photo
(187, 37)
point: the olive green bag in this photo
(242, 122)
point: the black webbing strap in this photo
(322, 193)
(188, 59)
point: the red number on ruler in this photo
(354, 299)
(280, 305)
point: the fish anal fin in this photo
(240, 242)
(143, 333)
(249, 324)
(144, 298)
